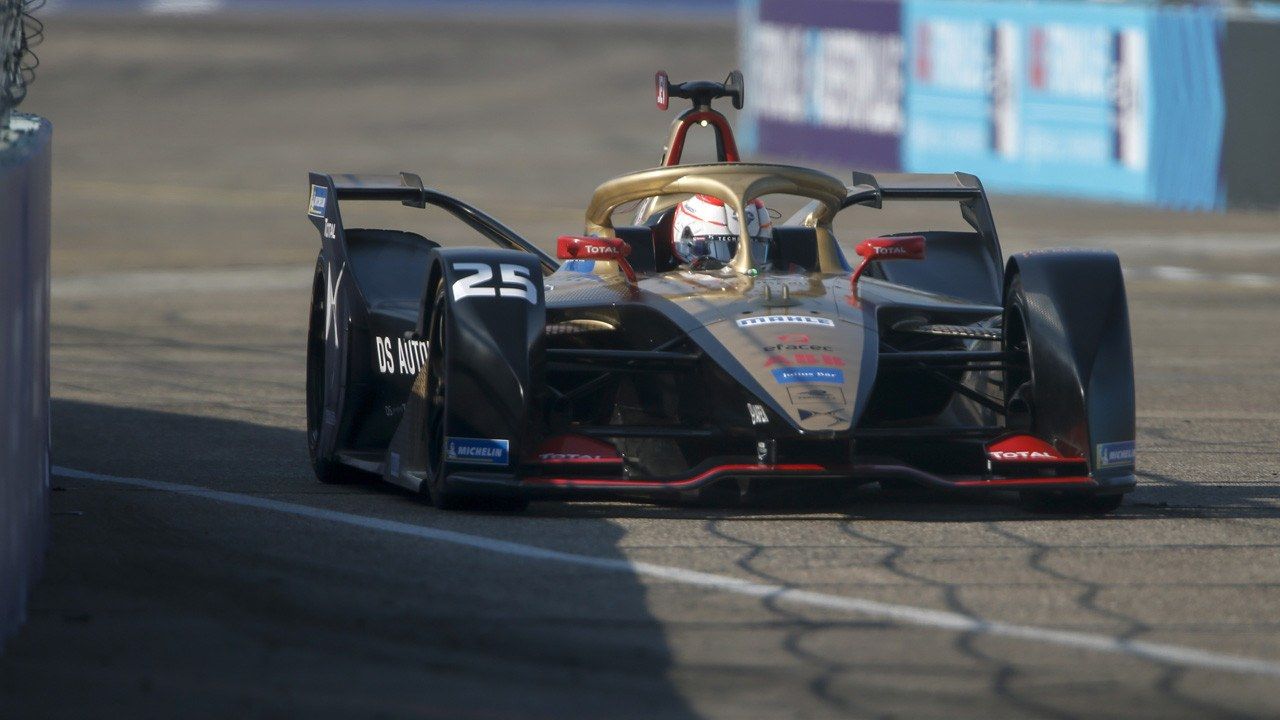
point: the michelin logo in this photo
(319, 198)
(785, 320)
(1116, 453)
(478, 451)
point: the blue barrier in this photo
(24, 364)
(520, 7)
(1120, 102)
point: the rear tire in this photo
(324, 356)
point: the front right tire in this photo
(1023, 414)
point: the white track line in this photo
(182, 7)
(905, 614)
(1181, 274)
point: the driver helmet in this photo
(704, 232)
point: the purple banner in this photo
(827, 80)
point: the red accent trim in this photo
(1006, 482)
(907, 247)
(1019, 448)
(577, 450)
(906, 472)
(711, 116)
(686, 483)
(577, 247)
(580, 461)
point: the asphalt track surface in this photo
(198, 570)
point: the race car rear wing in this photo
(872, 190)
(406, 188)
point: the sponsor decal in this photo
(579, 266)
(1025, 449)
(789, 346)
(568, 449)
(785, 320)
(1022, 455)
(758, 416)
(805, 359)
(330, 230)
(514, 279)
(478, 451)
(554, 456)
(789, 375)
(1005, 104)
(793, 338)
(331, 303)
(833, 417)
(816, 395)
(1116, 454)
(397, 356)
(319, 198)
(889, 250)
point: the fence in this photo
(1155, 104)
(25, 144)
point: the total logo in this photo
(1015, 455)
(1024, 449)
(890, 250)
(804, 359)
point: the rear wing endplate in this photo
(406, 188)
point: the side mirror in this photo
(906, 247)
(578, 247)
(662, 89)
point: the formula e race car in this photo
(660, 364)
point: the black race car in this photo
(487, 376)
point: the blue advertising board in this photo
(1120, 102)
(1050, 97)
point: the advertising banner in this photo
(1050, 97)
(1116, 102)
(825, 80)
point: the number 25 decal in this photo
(515, 282)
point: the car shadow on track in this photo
(168, 605)
(343, 625)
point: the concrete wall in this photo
(24, 364)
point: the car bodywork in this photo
(632, 376)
